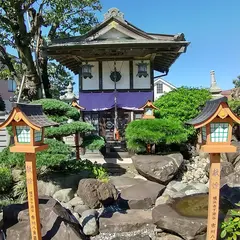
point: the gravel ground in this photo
(124, 235)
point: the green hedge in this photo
(182, 104)
(93, 142)
(55, 154)
(68, 129)
(139, 133)
(57, 110)
(5, 179)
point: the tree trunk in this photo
(45, 79)
(33, 82)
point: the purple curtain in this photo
(105, 101)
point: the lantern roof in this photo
(31, 114)
(149, 104)
(76, 105)
(213, 108)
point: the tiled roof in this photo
(210, 108)
(35, 115)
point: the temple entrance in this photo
(106, 124)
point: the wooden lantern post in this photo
(28, 122)
(216, 122)
(148, 113)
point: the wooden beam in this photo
(131, 73)
(100, 75)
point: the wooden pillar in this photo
(33, 204)
(213, 198)
(77, 146)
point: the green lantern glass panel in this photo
(219, 132)
(23, 134)
(204, 133)
(148, 111)
(38, 136)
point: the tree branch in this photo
(7, 21)
(7, 61)
(26, 7)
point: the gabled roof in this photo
(149, 103)
(130, 42)
(165, 82)
(211, 110)
(31, 114)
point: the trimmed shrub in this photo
(182, 104)
(139, 133)
(93, 142)
(95, 170)
(55, 154)
(68, 129)
(57, 110)
(5, 179)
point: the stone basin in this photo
(189, 215)
(196, 206)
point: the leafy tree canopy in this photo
(26, 24)
(236, 82)
(182, 104)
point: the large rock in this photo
(167, 218)
(64, 195)
(142, 195)
(80, 209)
(95, 193)
(57, 222)
(232, 180)
(226, 169)
(127, 221)
(122, 182)
(89, 223)
(233, 156)
(51, 183)
(161, 169)
(135, 237)
(47, 188)
(76, 201)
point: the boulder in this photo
(57, 222)
(76, 201)
(80, 209)
(168, 237)
(187, 227)
(161, 169)
(237, 167)
(142, 195)
(64, 195)
(163, 200)
(135, 237)
(232, 180)
(125, 221)
(232, 156)
(95, 193)
(89, 223)
(47, 188)
(122, 182)
(226, 169)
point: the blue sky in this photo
(211, 26)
